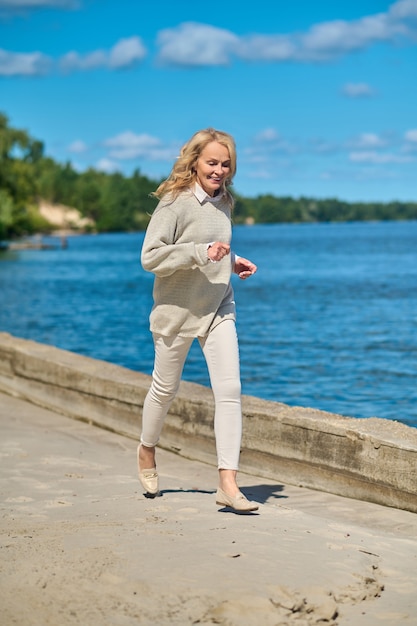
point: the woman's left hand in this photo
(244, 268)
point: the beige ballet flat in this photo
(238, 503)
(149, 478)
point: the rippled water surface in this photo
(329, 321)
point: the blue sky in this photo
(320, 96)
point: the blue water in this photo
(329, 321)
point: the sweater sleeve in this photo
(161, 255)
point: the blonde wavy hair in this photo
(183, 174)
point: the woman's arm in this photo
(161, 255)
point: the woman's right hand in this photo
(218, 250)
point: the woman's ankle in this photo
(228, 482)
(146, 457)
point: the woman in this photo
(187, 247)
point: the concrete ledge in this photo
(366, 459)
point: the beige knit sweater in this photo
(191, 294)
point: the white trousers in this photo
(221, 351)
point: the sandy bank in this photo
(64, 219)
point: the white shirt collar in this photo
(202, 196)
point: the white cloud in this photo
(72, 61)
(378, 157)
(107, 165)
(129, 139)
(358, 90)
(411, 135)
(331, 39)
(24, 64)
(373, 173)
(267, 48)
(322, 146)
(192, 44)
(78, 146)
(270, 140)
(410, 145)
(322, 42)
(328, 40)
(403, 9)
(268, 134)
(260, 174)
(125, 53)
(363, 143)
(251, 157)
(360, 174)
(368, 140)
(128, 145)
(326, 176)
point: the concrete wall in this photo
(368, 459)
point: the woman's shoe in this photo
(238, 502)
(149, 478)
(150, 481)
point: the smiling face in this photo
(213, 167)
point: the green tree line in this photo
(269, 209)
(122, 203)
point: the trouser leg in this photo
(170, 355)
(221, 351)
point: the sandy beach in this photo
(82, 545)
